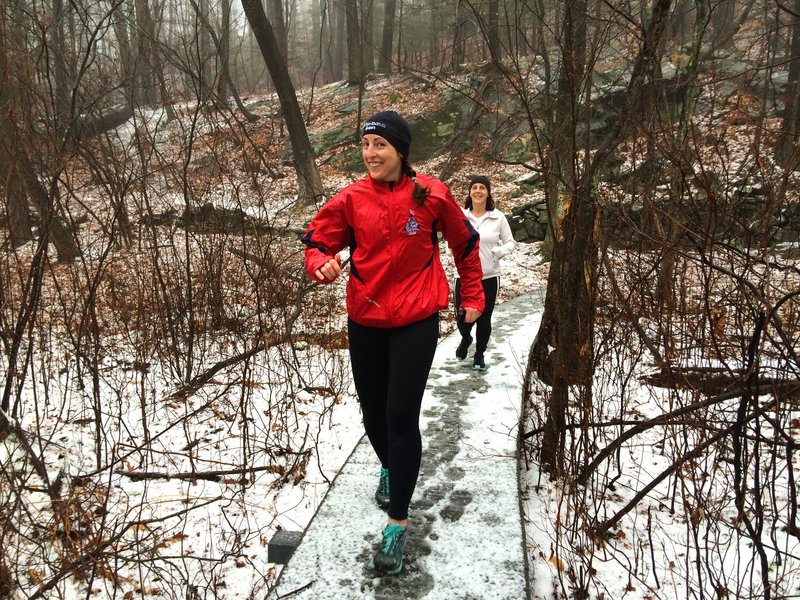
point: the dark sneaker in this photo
(461, 351)
(478, 364)
(389, 559)
(382, 493)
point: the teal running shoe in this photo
(382, 493)
(389, 559)
(478, 364)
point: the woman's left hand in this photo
(471, 314)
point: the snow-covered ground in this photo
(166, 494)
(190, 489)
(465, 513)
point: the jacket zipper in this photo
(392, 251)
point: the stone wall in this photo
(745, 214)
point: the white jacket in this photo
(496, 239)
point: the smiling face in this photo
(382, 160)
(478, 194)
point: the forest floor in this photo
(274, 431)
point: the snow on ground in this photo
(194, 537)
(195, 532)
(465, 513)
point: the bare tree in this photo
(309, 182)
(564, 345)
(789, 149)
(277, 21)
(366, 18)
(355, 52)
(145, 86)
(44, 200)
(60, 69)
(19, 220)
(385, 61)
(221, 41)
(324, 19)
(223, 44)
(493, 30)
(723, 17)
(459, 35)
(339, 32)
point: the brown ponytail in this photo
(420, 193)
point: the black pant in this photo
(484, 323)
(390, 371)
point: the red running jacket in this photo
(396, 277)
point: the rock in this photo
(282, 546)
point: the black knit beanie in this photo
(392, 127)
(481, 179)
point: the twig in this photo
(298, 590)
(661, 420)
(602, 528)
(205, 475)
(98, 550)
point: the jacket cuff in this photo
(315, 262)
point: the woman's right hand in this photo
(330, 270)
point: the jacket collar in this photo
(489, 214)
(387, 186)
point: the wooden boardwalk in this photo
(466, 538)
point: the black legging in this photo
(390, 371)
(483, 330)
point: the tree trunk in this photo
(101, 121)
(568, 320)
(145, 91)
(278, 22)
(560, 328)
(50, 221)
(223, 52)
(368, 61)
(339, 28)
(560, 169)
(309, 184)
(165, 96)
(684, 109)
(52, 228)
(19, 216)
(385, 60)
(459, 35)
(205, 53)
(493, 32)
(681, 20)
(354, 54)
(788, 149)
(61, 76)
(321, 22)
(723, 23)
(224, 79)
(125, 55)
(401, 55)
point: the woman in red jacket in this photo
(397, 286)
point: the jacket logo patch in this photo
(412, 227)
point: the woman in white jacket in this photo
(496, 242)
